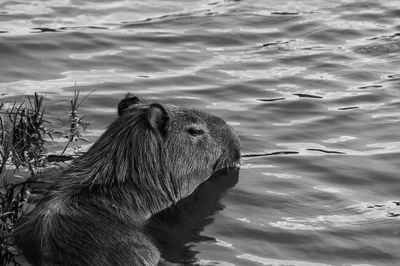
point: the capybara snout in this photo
(150, 157)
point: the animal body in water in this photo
(149, 158)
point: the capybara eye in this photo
(195, 131)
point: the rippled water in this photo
(312, 88)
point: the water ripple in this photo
(311, 87)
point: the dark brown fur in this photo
(152, 156)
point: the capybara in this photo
(148, 159)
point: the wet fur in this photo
(147, 160)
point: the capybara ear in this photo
(129, 100)
(158, 118)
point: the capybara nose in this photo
(232, 149)
(236, 155)
(234, 145)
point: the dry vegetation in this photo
(23, 129)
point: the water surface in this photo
(311, 87)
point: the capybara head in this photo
(159, 152)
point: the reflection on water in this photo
(310, 86)
(363, 214)
(175, 227)
(267, 261)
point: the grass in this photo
(76, 121)
(23, 129)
